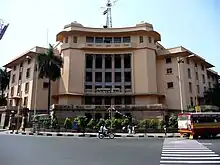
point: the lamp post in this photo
(181, 60)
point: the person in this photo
(103, 129)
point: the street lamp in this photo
(181, 60)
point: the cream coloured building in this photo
(124, 67)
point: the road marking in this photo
(192, 162)
(200, 155)
(189, 150)
(207, 144)
(167, 152)
(191, 158)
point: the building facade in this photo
(125, 67)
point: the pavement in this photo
(53, 150)
(117, 135)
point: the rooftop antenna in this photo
(108, 13)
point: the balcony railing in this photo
(107, 45)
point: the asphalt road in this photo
(27, 150)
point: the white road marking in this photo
(192, 158)
(189, 152)
(199, 155)
(192, 162)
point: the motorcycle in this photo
(108, 134)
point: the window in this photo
(12, 91)
(168, 60)
(45, 85)
(66, 40)
(189, 73)
(28, 73)
(18, 90)
(127, 61)
(90, 39)
(88, 100)
(187, 61)
(202, 67)
(170, 85)
(74, 39)
(29, 61)
(98, 77)
(117, 76)
(127, 86)
(204, 89)
(117, 61)
(89, 61)
(195, 64)
(108, 61)
(10, 102)
(25, 101)
(127, 76)
(108, 40)
(149, 39)
(203, 78)
(141, 39)
(89, 76)
(197, 87)
(197, 76)
(117, 39)
(98, 61)
(127, 39)
(88, 87)
(190, 87)
(26, 87)
(20, 74)
(169, 71)
(13, 78)
(191, 101)
(108, 77)
(99, 40)
(209, 85)
(14, 68)
(21, 65)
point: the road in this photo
(28, 150)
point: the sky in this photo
(193, 24)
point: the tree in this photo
(212, 96)
(49, 66)
(4, 81)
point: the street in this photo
(26, 150)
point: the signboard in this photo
(108, 90)
(3, 29)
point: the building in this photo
(125, 67)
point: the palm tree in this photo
(4, 82)
(49, 66)
(212, 96)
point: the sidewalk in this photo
(138, 135)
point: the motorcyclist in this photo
(103, 130)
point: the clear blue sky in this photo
(194, 24)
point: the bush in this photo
(100, 122)
(91, 124)
(82, 122)
(67, 123)
(173, 122)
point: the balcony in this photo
(98, 45)
(108, 91)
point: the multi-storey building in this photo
(116, 66)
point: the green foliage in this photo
(212, 96)
(46, 123)
(145, 123)
(82, 122)
(116, 123)
(100, 122)
(154, 123)
(108, 123)
(125, 122)
(91, 124)
(68, 123)
(4, 82)
(173, 122)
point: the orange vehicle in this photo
(204, 124)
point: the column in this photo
(122, 73)
(103, 71)
(93, 73)
(113, 68)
